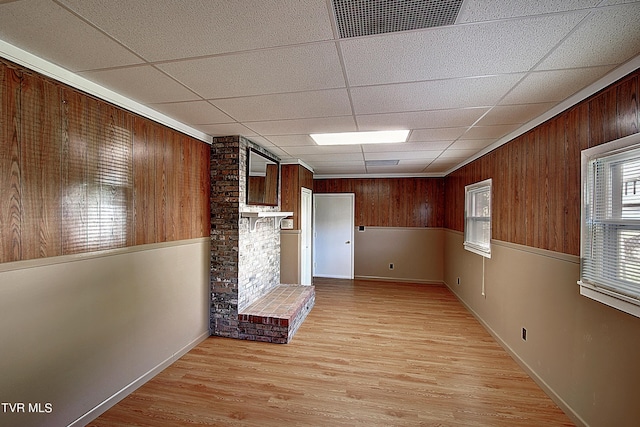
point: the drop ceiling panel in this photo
(291, 140)
(552, 86)
(225, 129)
(455, 51)
(344, 157)
(162, 30)
(193, 112)
(481, 10)
(458, 154)
(408, 146)
(304, 150)
(484, 132)
(514, 114)
(339, 169)
(472, 144)
(292, 69)
(304, 126)
(425, 135)
(463, 117)
(608, 36)
(299, 105)
(403, 155)
(400, 168)
(432, 95)
(74, 48)
(141, 83)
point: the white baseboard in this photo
(124, 392)
(575, 417)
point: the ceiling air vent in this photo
(366, 17)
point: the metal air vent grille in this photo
(366, 17)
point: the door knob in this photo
(347, 242)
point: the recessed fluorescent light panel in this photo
(350, 138)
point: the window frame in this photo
(471, 222)
(598, 283)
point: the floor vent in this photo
(357, 18)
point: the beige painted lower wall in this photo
(290, 257)
(416, 253)
(583, 353)
(80, 332)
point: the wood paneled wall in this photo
(536, 177)
(79, 175)
(294, 178)
(392, 202)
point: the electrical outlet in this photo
(458, 280)
(524, 334)
(390, 266)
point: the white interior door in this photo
(306, 241)
(333, 222)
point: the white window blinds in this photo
(477, 218)
(610, 242)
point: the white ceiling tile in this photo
(193, 112)
(514, 114)
(402, 155)
(482, 10)
(291, 140)
(442, 165)
(439, 94)
(421, 119)
(458, 154)
(304, 126)
(334, 102)
(407, 146)
(338, 150)
(75, 48)
(444, 134)
(162, 30)
(552, 86)
(141, 83)
(339, 169)
(291, 69)
(344, 157)
(454, 51)
(399, 168)
(484, 132)
(472, 144)
(608, 36)
(226, 129)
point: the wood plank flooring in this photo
(370, 353)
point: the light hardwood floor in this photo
(370, 353)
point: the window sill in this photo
(609, 298)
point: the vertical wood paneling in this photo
(577, 139)
(602, 118)
(171, 166)
(161, 159)
(144, 180)
(627, 108)
(536, 176)
(392, 202)
(186, 207)
(67, 164)
(115, 177)
(94, 136)
(10, 174)
(40, 146)
(74, 173)
(542, 143)
(557, 183)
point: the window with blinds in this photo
(610, 240)
(477, 218)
